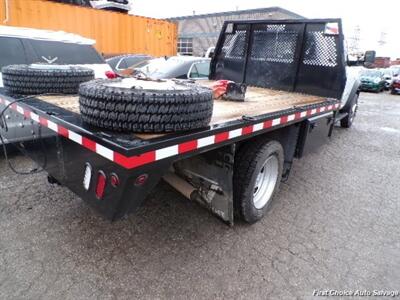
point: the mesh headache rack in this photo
(303, 56)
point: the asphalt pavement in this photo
(334, 225)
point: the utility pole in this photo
(354, 41)
(382, 39)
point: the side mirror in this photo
(353, 60)
(199, 70)
(210, 52)
(369, 57)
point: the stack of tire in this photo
(123, 105)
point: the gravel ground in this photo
(334, 225)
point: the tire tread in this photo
(130, 110)
(23, 79)
(246, 161)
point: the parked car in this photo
(396, 70)
(388, 75)
(31, 46)
(395, 88)
(123, 62)
(112, 5)
(372, 80)
(28, 46)
(181, 67)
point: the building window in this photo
(185, 46)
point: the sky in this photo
(372, 18)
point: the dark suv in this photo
(28, 46)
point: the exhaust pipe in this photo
(180, 185)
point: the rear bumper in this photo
(396, 90)
(370, 87)
(66, 161)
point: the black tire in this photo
(347, 121)
(249, 162)
(43, 79)
(146, 111)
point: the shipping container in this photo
(115, 33)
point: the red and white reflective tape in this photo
(159, 154)
(332, 28)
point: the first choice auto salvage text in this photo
(355, 293)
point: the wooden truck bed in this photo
(258, 101)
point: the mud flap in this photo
(211, 175)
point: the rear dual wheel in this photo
(257, 175)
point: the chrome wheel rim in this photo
(134, 83)
(265, 182)
(50, 67)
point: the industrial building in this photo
(196, 33)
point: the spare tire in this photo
(41, 78)
(134, 105)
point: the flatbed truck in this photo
(297, 89)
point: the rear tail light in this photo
(141, 180)
(87, 177)
(111, 75)
(114, 180)
(101, 184)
